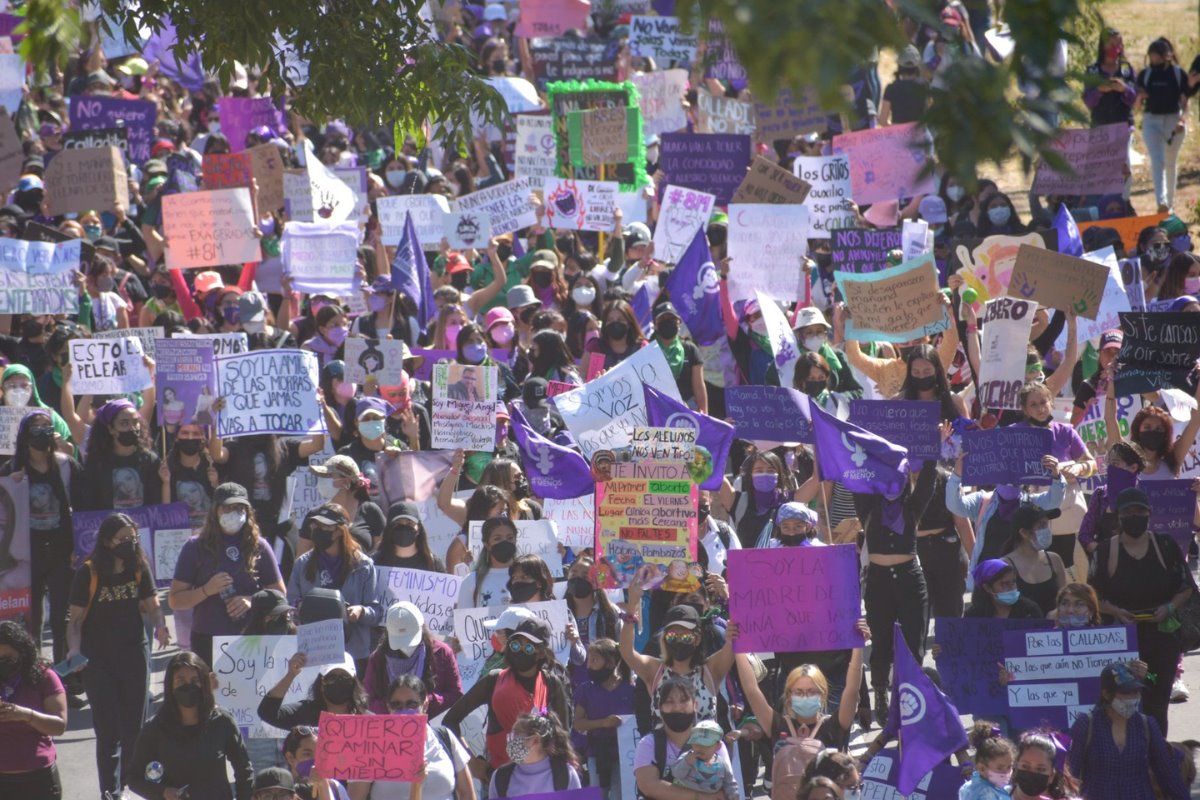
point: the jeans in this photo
(117, 685)
(894, 594)
(51, 574)
(945, 571)
(1162, 145)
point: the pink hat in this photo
(207, 281)
(496, 316)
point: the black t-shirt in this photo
(908, 98)
(1112, 106)
(22, 351)
(113, 622)
(1165, 88)
(122, 482)
(249, 465)
(49, 515)
(691, 358)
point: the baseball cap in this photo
(267, 603)
(252, 311)
(1111, 338)
(457, 262)
(328, 514)
(705, 733)
(495, 12)
(29, 183)
(933, 209)
(273, 778)
(986, 571)
(534, 392)
(1027, 514)
(231, 494)
(908, 58)
(404, 622)
(207, 281)
(134, 66)
(533, 630)
(510, 619)
(346, 664)
(1132, 497)
(1118, 678)
(810, 315)
(636, 233)
(337, 467)
(666, 307)
(403, 509)
(682, 615)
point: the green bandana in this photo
(674, 354)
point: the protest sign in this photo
(602, 135)
(1058, 281)
(128, 500)
(240, 115)
(167, 544)
(987, 264)
(552, 17)
(316, 193)
(881, 779)
(789, 115)
(767, 182)
(645, 515)
(603, 412)
(717, 114)
(16, 589)
(720, 58)
(269, 391)
(228, 170)
(434, 593)
(39, 277)
(267, 167)
(911, 424)
(424, 370)
(427, 211)
(1128, 227)
(114, 366)
(10, 421)
(300, 496)
(887, 164)
(101, 137)
(1010, 456)
(1055, 675)
(1172, 509)
(915, 238)
(768, 413)
(372, 747)
(246, 667)
(568, 97)
(210, 228)
(1097, 162)
(1002, 367)
(321, 257)
(322, 642)
(1114, 301)
(507, 205)
(660, 95)
(464, 407)
(862, 250)
(969, 650)
(355, 179)
(225, 344)
(466, 229)
(653, 443)
(790, 599)
(534, 537)
(35, 232)
(1159, 351)
(663, 39)
(12, 80)
(829, 204)
(186, 381)
(476, 639)
(574, 519)
(767, 244)
(138, 117)
(12, 153)
(382, 359)
(580, 205)
(710, 162)
(683, 213)
(534, 155)
(571, 58)
(897, 304)
(82, 180)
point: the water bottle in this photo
(154, 772)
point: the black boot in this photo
(882, 703)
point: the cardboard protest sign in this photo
(12, 153)
(1058, 281)
(128, 500)
(720, 58)
(113, 366)
(82, 180)
(683, 212)
(1097, 160)
(789, 115)
(1006, 326)
(1056, 674)
(1172, 509)
(100, 137)
(552, 17)
(862, 250)
(476, 638)
(574, 519)
(898, 304)
(911, 424)
(663, 39)
(240, 115)
(790, 599)
(570, 58)
(829, 204)
(209, 229)
(534, 154)
(969, 651)
(602, 135)
(881, 779)
(244, 666)
(435, 593)
(660, 96)
(1113, 302)
(267, 166)
(768, 413)
(225, 344)
(1127, 227)
(427, 211)
(711, 162)
(269, 391)
(580, 205)
(565, 98)
(186, 381)
(138, 117)
(382, 359)
(466, 229)
(716, 114)
(1011, 456)
(506, 205)
(372, 747)
(321, 257)
(767, 182)
(987, 264)
(887, 163)
(536, 537)
(767, 244)
(464, 407)
(39, 277)
(228, 170)
(1159, 351)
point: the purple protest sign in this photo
(888, 163)
(240, 115)
(185, 379)
(789, 116)
(969, 651)
(707, 162)
(1097, 160)
(795, 599)
(768, 413)
(424, 372)
(151, 518)
(1008, 456)
(586, 793)
(1172, 509)
(862, 250)
(911, 424)
(881, 778)
(137, 116)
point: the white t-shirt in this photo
(493, 592)
(440, 769)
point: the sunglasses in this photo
(529, 648)
(684, 638)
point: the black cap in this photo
(268, 603)
(107, 243)
(666, 307)
(1027, 514)
(273, 778)
(534, 392)
(682, 615)
(1132, 497)
(231, 494)
(403, 510)
(533, 630)
(329, 514)
(322, 604)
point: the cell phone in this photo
(71, 665)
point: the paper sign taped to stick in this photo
(895, 305)
(366, 747)
(1058, 281)
(209, 229)
(109, 366)
(269, 391)
(82, 180)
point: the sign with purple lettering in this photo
(185, 379)
(707, 162)
(789, 115)
(127, 498)
(969, 650)
(240, 115)
(1097, 160)
(887, 164)
(1172, 509)
(795, 599)
(720, 60)
(1011, 456)
(881, 778)
(768, 413)
(863, 250)
(136, 116)
(912, 424)
(1055, 675)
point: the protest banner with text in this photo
(246, 667)
(112, 366)
(683, 212)
(663, 39)
(969, 650)
(1010, 456)
(138, 117)
(210, 228)
(660, 94)
(897, 304)
(580, 205)
(709, 162)
(1097, 161)
(269, 391)
(367, 747)
(887, 164)
(767, 182)
(1159, 351)
(1058, 281)
(321, 257)
(911, 424)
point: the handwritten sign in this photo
(717, 114)
(580, 205)
(663, 39)
(768, 413)
(683, 213)
(567, 58)
(114, 366)
(881, 779)
(269, 391)
(464, 407)
(552, 17)
(138, 117)
(533, 152)
(767, 182)
(382, 359)
(321, 257)
(1006, 456)
(100, 137)
(436, 594)
(789, 599)
(711, 162)
(245, 668)
(82, 180)
(322, 642)
(887, 163)
(209, 229)
(1097, 160)
(427, 211)
(829, 204)
(228, 170)
(574, 519)
(767, 244)
(987, 264)
(1058, 281)
(969, 650)
(862, 250)
(660, 96)
(912, 424)
(366, 747)
(1002, 367)
(896, 304)
(39, 277)
(225, 344)
(1159, 351)
(10, 421)
(1172, 509)
(506, 205)
(602, 135)
(789, 115)
(568, 98)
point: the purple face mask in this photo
(231, 314)
(377, 302)
(267, 226)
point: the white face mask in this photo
(327, 488)
(371, 429)
(583, 296)
(759, 326)
(955, 193)
(813, 343)
(395, 178)
(232, 521)
(1042, 537)
(1125, 707)
(17, 397)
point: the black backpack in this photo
(660, 759)
(558, 768)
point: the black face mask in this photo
(579, 588)
(680, 651)
(521, 662)
(31, 329)
(188, 695)
(1031, 783)
(541, 278)
(42, 439)
(339, 693)
(498, 65)
(922, 384)
(406, 536)
(522, 592)
(678, 721)
(1154, 441)
(8, 668)
(162, 291)
(190, 447)
(521, 488)
(668, 329)
(322, 539)
(504, 552)
(1135, 526)
(790, 541)
(126, 551)
(1040, 423)
(814, 388)
(599, 676)
(128, 438)
(824, 260)
(459, 279)
(616, 330)
(702, 512)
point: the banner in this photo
(580, 205)
(476, 639)
(969, 651)
(602, 135)
(185, 381)
(863, 250)
(115, 366)
(506, 205)
(382, 359)
(795, 599)
(150, 519)
(663, 39)
(1172, 509)
(1002, 367)
(15, 551)
(269, 391)
(898, 304)
(829, 204)
(767, 244)
(718, 114)
(534, 154)
(245, 668)
(39, 277)
(552, 17)
(683, 213)
(660, 95)
(138, 117)
(887, 164)
(321, 257)
(574, 519)
(911, 424)
(768, 413)
(82, 180)
(1009, 456)
(434, 593)
(464, 407)
(1097, 161)
(210, 229)
(710, 162)
(1058, 281)
(767, 182)
(1159, 351)
(372, 747)
(789, 116)
(427, 211)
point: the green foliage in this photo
(51, 31)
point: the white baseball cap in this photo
(347, 664)
(510, 619)
(404, 622)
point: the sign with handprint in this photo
(1002, 365)
(1058, 281)
(987, 264)
(580, 205)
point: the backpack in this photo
(94, 584)
(444, 736)
(558, 768)
(792, 755)
(660, 759)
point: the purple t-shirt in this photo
(598, 703)
(196, 565)
(1067, 445)
(24, 748)
(536, 778)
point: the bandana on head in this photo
(796, 511)
(108, 412)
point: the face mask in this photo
(599, 675)
(1073, 620)
(395, 178)
(233, 521)
(345, 390)
(339, 693)
(583, 296)
(1126, 707)
(1031, 783)
(327, 488)
(322, 539)
(190, 447)
(17, 397)
(759, 326)
(377, 303)
(371, 429)
(93, 232)
(1042, 537)
(955, 193)
(1153, 441)
(336, 335)
(999, 215)
(522, 592)
(824, 260)
(475, 352)
(460, 279)
(188, 695)
(680, 651)
(1136, 525)
(579, 588)
(499, 66)
(128, 438)
(41, 439)
(1010, 597)
(1192, 285)
(521, 488)
(814, 388)
(504, 552)
(678, 721)
(161, 291)
(32, 328)
(541, 278)
(231, 314)
(406, 536)
(668, 329)
(923, 384)
(814, 343)
(522, 661)
(615, 330)
(998, 779)
(8, 668)
(104, 283)
(806, 707)
(517, 749)
(452, 335)
(126, 551)
(503, 334)
(764, 481)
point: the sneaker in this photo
(1179, 691)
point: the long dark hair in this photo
(31, 667)
(211, 533)
(532, 566)
(352, 555)
(20, 461)
(101, 444)
(484, 497)
(1063, 785)
(805, 364)
(175, 463)
(358, 698)
(169, 710)
(556, 741)
(385, 555)
(379, 671)
(941, 387)
(634, 335)
(553, 353)
(102, 558)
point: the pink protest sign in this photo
(887, 163)
(552, 17)
(795, 599)
(387, 747)
(555, 388)
(595, 365)
(240, 115)
(1098, 159)
(228, 170)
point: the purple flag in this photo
(160, 47)
(554, 471)
(410, 273)
(695, 290)
(930, 730)
(862, 461)
(664, 411)
(1069, 241)
(518, 247)
(641, 306)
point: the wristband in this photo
(625, 616)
